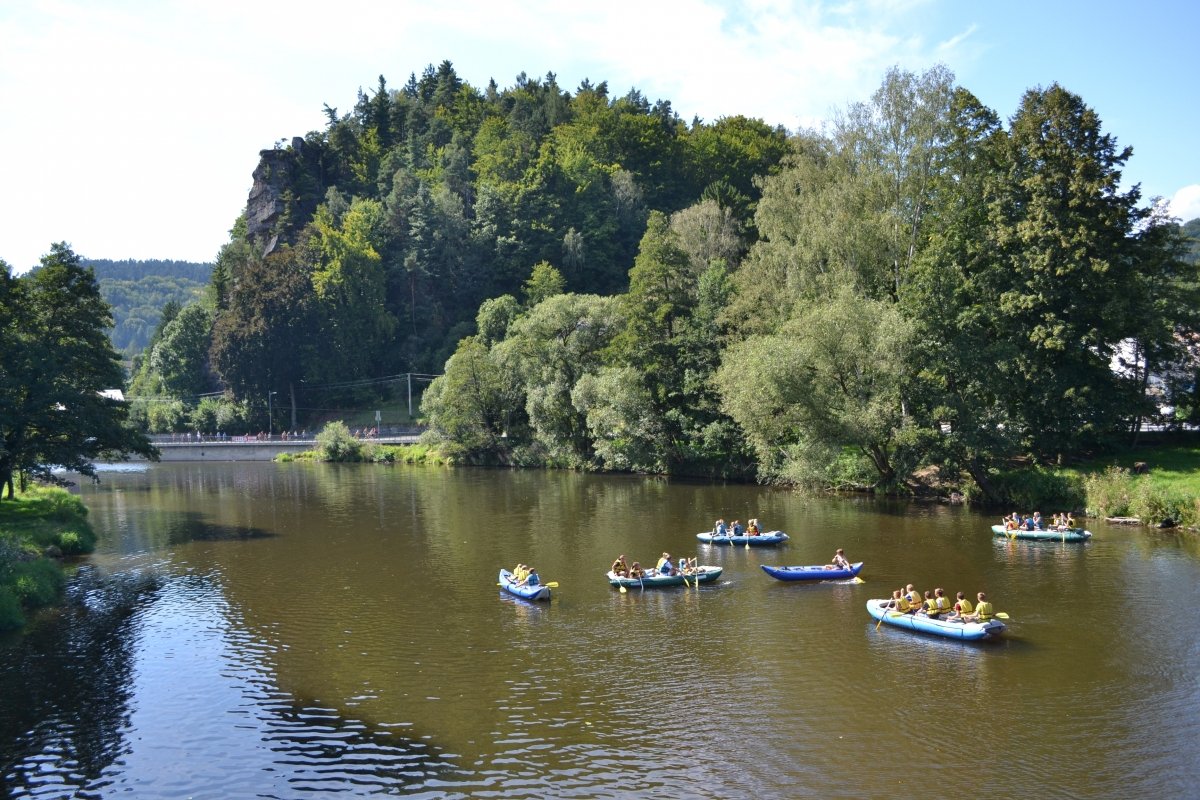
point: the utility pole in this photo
(410, 397)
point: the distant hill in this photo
(1192, 231)
(137, 292)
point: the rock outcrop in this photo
(267, 204)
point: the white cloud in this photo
(1185, 203)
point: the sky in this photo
(130, 128)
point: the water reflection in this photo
(65, 686)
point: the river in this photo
(288, 631)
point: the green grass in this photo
(1169, 490)
(33, 525)
(1173, 467)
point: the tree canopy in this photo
(57, 363)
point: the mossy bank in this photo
(38, 529)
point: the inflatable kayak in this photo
(968, 631)
(538, 592)
(1072, 535)
(819, 572)
(653, 580)
(762, 540)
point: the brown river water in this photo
(291, 631)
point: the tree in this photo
(471, 406)
(1064, 232)
(263, 340)
(544, 282)
(550, 348)
(831, 378)
(181, 354)
(57, 361)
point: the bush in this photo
(1109, 493)
(335, 443)
(73, 543)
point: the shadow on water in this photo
(193, 527)
(72, 671)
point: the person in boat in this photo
(664, 566)
(962, 608)
(913, 597)
(983, 609)
(636, 572)
(899, 602)
(518, 573)
(752, 528)
(530, 579)
(930, 607)
(1011, 522)
(737, 528)
(943, 603)
(1039, 524)
(682, 568)
(719, 529)
(1070, 521)
(619, 567)
(839, 560)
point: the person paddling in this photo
(619, 567)
(839, 560)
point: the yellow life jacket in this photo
(964, 606)
(984, 611)
(943, 603)
(903, 604)
(931, 607)
(620, 566)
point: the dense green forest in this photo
(139, 290)
(916, 289)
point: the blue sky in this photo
(131, 127)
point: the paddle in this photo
(881, 616)
(621, 586)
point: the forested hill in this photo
(920, 288)
(139, 290)
(367, 248)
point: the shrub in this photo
(1109, 493)
(73, 543)
(335, 443)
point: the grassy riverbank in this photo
(38, 528)
(1168, 489)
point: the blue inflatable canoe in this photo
(819, 572)
(538, 592)
(762, 540)
(1072, 535)
(967, 631)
